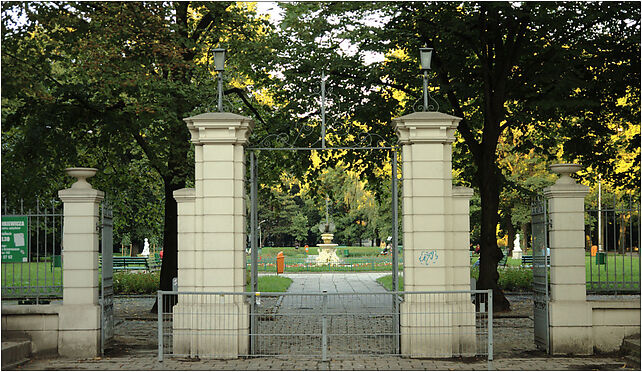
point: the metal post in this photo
(490, 329)
(160, 325)
(395, 233)
(324, 330)
(425, 90)
(599, 216)
(323, 109)
(253, 324)
(220, 91)
(253, 221)
(395, 251)
(254, 249)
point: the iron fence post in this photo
(253, 324)
(490, 329)
(159, 311)
(324, 330)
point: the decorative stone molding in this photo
(426, 127)
(185, 195)
(219, 127)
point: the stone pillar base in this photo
(79, 331)
(438, 329)
(570, 328)
(208, 330)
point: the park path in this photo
(357, 293)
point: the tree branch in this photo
(463, 127)
(241, 94)
(153, 160)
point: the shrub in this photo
(511, 278)
(515, 279)
(133, 282)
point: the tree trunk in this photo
(177, 165)
(622, 232)
(490, 254)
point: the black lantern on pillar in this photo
(219, 65)
(425, 57)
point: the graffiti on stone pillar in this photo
(428, 257)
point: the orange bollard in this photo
(593, 250)
(280, 263)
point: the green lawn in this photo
(624, 269)
(299, 264)
(30, 274)
(271, 283)
(386, 282)
(358, 259)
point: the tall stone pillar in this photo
(211, 247)
(569, 314)
(435, 243)
(79, 318)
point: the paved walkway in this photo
(336, 282)
(360, 293)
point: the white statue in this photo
(517, 249)
(145, 248)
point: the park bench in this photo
(528, 260)
(129, 263)
(155, 262)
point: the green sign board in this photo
(15, 239)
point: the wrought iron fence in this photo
(31, 250)
(613, 265)
(325, 325)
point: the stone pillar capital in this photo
(566, 191)
(462, 192)
(426, 127)
(185, 195)
(219, 128)
(73, 195)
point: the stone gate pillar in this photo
(211, 240)
(435, 239)
(569, 314)
(79, 317)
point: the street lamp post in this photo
(425, 55)
(219, 65)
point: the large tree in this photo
(526, 67)
(96, 77)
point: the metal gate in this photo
(107, 282)
(541, 261)
(326, 326)
(304, 138)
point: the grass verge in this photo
(271, 283)
(386, 282)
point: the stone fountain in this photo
(327, 249)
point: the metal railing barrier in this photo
(31, 251)
(325, 325)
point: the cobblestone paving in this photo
(135, 348)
